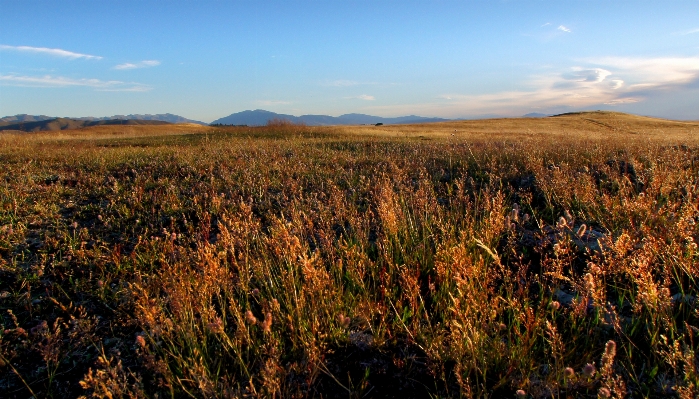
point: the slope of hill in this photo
(24, 118)
(171, 118)
(147, 117)
(66, 123)
(261, 117)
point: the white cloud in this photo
(587, 75)
(50, 51)
(616, 83)
(604, 80)
(142, 64)
(546, 24)
(653, 72)
(49, 81)
(564, 29)
(689, 32)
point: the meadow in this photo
(537, 258)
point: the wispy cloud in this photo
(142, 64)
(137, 89)
(341, 83)
(658, 73)
(610, 81)
(586, 75)
(57, 52)
(564, 29)
(627, 100)
(49, 81)
(688, 32)
(364, 97)
(272, 102)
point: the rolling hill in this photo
(171, 118)
(66, 123)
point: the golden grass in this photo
(590, 125)
(550, 257)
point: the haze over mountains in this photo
(261, 117)
(66, 123)
(257, 117)
(171, 118)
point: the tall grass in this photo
(289, 261)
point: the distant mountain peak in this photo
(260, 117)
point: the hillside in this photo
(24, 118)
(171, 118)
(66, 124)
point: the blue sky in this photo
(208, 59)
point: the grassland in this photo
(537, 258)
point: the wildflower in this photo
(589, 282)
(608, 358)
(344, 321)
(604, 393)
(215, 326)
(514, 214)
(39, 328)
(255, 292)
(74, 225)
(589, 370)
(555, 305)
(610, 349)
(569, 372)
(521, 394)
(140, 341)
(267, 323)
(250, 317)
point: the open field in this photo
(551, 257)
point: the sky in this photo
(454, 59)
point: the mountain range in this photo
(257, 117)
(147, 117)
(261, 117)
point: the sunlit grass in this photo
(533, 258)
